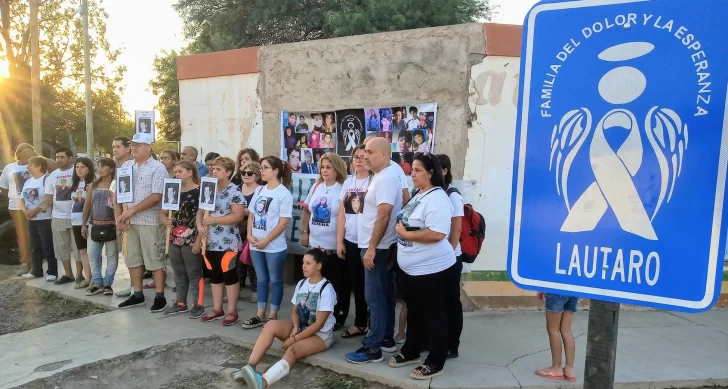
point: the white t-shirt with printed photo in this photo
(458, 210)
(266, 208)
(59, 185)
(33, 192)
(352, 198)
(433, 210)
(323, 204)
(314, 300)
(13, 179)
(400, 172)
(385, 188)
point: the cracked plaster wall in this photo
(221, 114)
(388, 69)
(489, 161)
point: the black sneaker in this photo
(64, 280)
(389, 346)
(132, 301)
(160, 303)
(452, 354)
(147, 275)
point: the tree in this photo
(166, 87)
(214, 25)
(61, 55)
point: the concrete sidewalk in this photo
(657, 349)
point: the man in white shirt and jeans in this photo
(377, 237)
(58, 194)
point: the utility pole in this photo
(601, 345)
(35, 75)
(87, 74)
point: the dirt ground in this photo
(188, 364)
(28, 308)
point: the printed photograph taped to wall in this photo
(308, 135)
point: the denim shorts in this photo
(559, 303)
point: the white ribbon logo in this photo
(613, 186)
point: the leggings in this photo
(221, 267)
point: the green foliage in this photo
(166, 87)
(216, 25)
(62, 77)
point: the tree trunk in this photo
(35, 75)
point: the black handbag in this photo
(103, 232)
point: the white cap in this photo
(142, 138)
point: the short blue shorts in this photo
(559, 303)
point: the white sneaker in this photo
(51, 278)
(28, 275)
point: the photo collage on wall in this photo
(308, 135)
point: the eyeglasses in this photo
(265, 168)
(358, 158)
(248, 173)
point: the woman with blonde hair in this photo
(250, 183)
(351, 202)
(320, 221)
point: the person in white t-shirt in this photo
(376, 239)
(453, 305)
(428, 263)
(310, 330)
(351, 205)
(320, 220)
(39, 220)
(58, 194)
(271, 209)
(13, 178)
(400, 173)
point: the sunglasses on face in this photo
(248, 173)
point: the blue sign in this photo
(621, 152)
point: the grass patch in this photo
(335, 381)
(194, 380)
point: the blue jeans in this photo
(380, 295)
(269, 268)
(41, 244)
(94, 260)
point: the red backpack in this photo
(473, 232)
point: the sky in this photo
(140, 46)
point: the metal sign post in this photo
(620, 160)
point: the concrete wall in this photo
(228, 98)
(389, 69)
(221, 114)
(489, 161)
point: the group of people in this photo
(367, 234)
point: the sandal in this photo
(570, 379)
(546, 373)
(253, 322)
(398, 360)
(347, 333)
(425, 372)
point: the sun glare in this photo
(4, 71)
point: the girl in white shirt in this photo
(428, 261)
(271, 209)
(351, 203)
(320, 219)
(309, 332)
